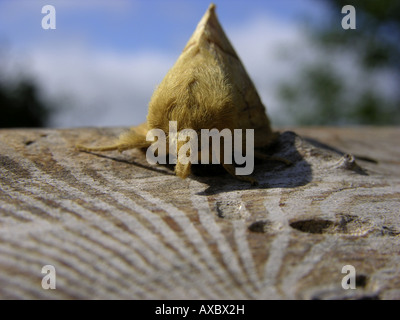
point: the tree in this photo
(324, 94)
(21, 105)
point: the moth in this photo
(208, 87)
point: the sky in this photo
(105, 58)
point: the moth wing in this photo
(250, 112)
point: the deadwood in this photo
(115, 227)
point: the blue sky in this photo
(123, 25)
(105, 58)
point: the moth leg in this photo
(128, 140)
(231, 169)
(182, 170)
(262, 156)
(120, 147)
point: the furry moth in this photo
(207, 88)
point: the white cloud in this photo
(263, 44)
(98, 88)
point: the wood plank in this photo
(115, 227)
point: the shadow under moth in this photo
(207, 88)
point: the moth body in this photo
(207, 88)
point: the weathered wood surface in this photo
(115, 227)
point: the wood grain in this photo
(115, 227)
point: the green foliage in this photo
(376, 38)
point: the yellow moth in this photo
(207, 88)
